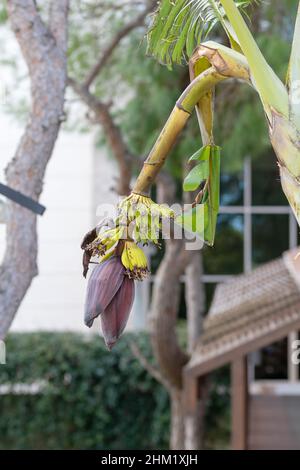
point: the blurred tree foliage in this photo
(239, 121)
(143, 92)
(92, 399)
(89, 389)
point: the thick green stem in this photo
(198, 87)
(294, 75)
(176, 122)
(272, 91)
(226, 62)
(205, 106)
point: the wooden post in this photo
(239, 403)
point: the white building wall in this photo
(78, 179)
(55, 299)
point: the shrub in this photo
(93, 399)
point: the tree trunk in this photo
(195, 305)
(163, 314)
(194, 299)
(177, 437)
(44, 50)
(194, 422)
(163, 318)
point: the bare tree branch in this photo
(101, 111)
(153, 371)
(112, 133)
(46, 62)
(106, 54)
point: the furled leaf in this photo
(213, 201)
(180, 25)
(214, 189)
(210, 223)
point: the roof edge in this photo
(291, 260)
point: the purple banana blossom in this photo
(110, 293)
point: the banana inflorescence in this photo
(138, 221)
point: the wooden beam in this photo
(239, 403)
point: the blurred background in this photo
(60, 387)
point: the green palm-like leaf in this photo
(178, 26)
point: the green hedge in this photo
(94, 400)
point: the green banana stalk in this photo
(243, 60)
(110, 290)
(210, 64)
(279, 101)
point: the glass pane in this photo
(273, 362)
(266, 187)
(226, 257)
(231, 190)
(270, 237)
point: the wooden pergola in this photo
(248, 313)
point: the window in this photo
(254, 222)
(255, 226)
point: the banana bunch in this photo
(105, 242)
(134, 260)
(138, 221)
(143, 217)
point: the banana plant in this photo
(179, 31)
(178, 27)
